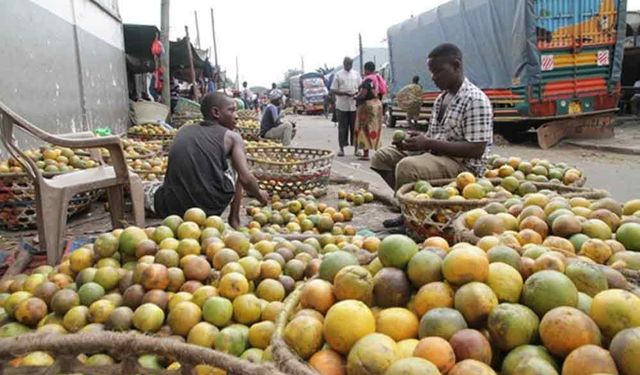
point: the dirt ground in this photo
(617, 173)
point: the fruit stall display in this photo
(430, 208)
(190, 279)
(306, 215)
(249, 128)
(290, 171)
(17, 192)
(466, 309)
(152, 169)
(247, 114)
(600, 231)
(537, 170)
(262, 143)
(147, 132)
(134, 149)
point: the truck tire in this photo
(391, 119)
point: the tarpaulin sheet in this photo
(497, 38)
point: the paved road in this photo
(617, 173)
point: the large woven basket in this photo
(150, 112)
(18, 197)
(187, 106)
(436, 217)
(286, 359)
(124, 347)
(289, 171)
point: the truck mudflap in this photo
(594, 126)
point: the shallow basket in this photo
(186, 106)
(289, 171)
(66, 348)
(436, 217)
(249, 134)
(18, 202)
(149, 137)
(150, 112)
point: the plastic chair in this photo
(53, 194)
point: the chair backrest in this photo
(9, 119)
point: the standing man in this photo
(246, 95)
(459, 136)
(345, 86)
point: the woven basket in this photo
(285, 358)
(149, 137)
(250, 134)
(18, 197)
(464, 234)
(247, 114)
(150, 112)
(186, 106)
(66, 348)
(289, 171)
(436, 217)
(146, 175)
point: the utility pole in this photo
(302, 63)
(164, 60)
(361, 54)
(237, 75)
(196, 90)
(215, 47)
(195, 14)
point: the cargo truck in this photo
(554, 65)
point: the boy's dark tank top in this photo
(198, 172)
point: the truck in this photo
(554, 65)
(308, 92)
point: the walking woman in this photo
(369, 114)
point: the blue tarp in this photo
(497, 38)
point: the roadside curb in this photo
(606, 148)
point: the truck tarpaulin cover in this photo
(498, 37)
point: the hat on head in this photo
(275, 94)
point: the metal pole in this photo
(302, 63)
(215, 47)
(196, 91)
(195, 14)
(164, 60)
(361, 54)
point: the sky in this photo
(269, 37)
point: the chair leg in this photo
(137, 199)
(51, 209)
(116, 205)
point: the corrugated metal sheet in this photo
(575, 23)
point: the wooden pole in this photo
(196, 91)
(361, 53)
(215, 48)
(195, 14)
(237, 75)
(164, 61)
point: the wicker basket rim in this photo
(136, 344)
(328, 155)
(401, 194)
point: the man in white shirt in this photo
(345, 86)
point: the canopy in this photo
(137, 47)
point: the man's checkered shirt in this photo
(469, 118)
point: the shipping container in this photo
(535, 59)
